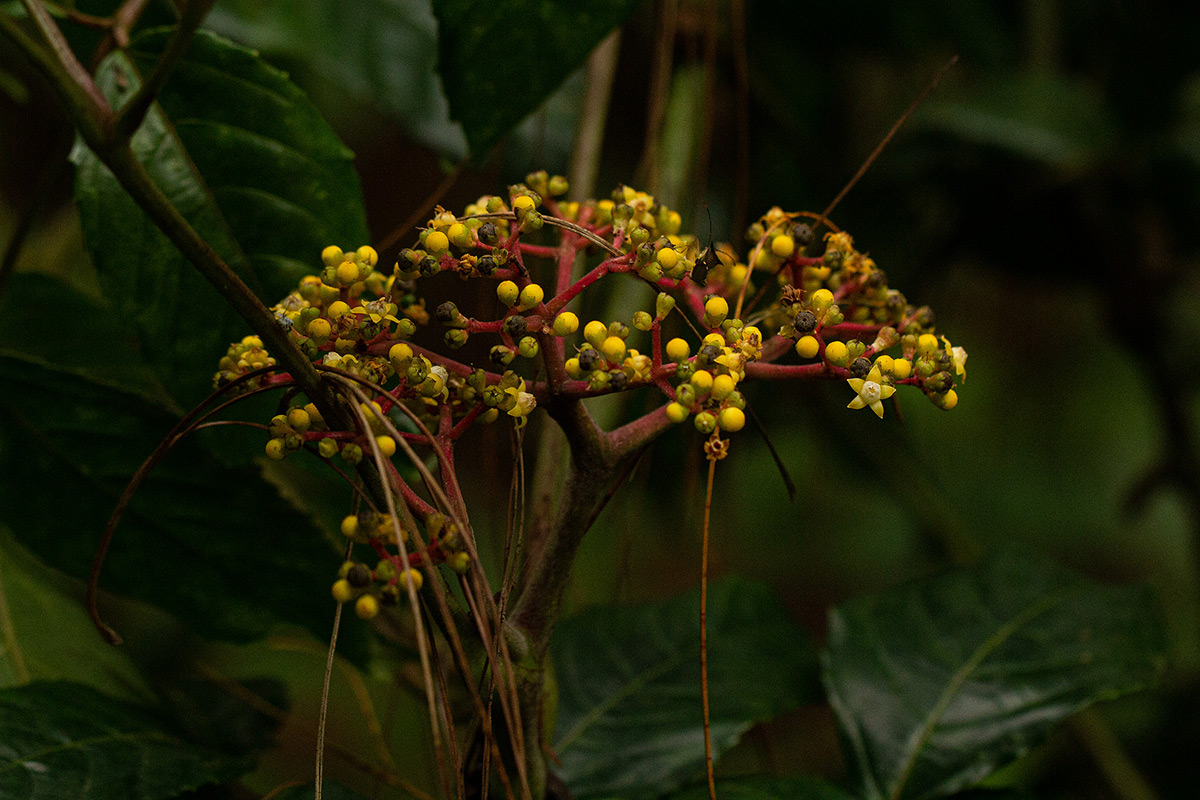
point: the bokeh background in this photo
(1044, 200)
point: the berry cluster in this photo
(833, 309)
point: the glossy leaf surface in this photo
(630, 722)
(939, 683)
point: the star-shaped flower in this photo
(871, 391)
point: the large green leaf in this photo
(763, 787)
(45, 633)
(937, 684)
(380, 51)
(60, 740)
(249, 162)
(213, 544)
(630, 722)
(500, 60)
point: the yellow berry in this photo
(507, 292)
(677, 412)
(252, 341)
(319, 330)
(275, 450)
(722, 387)
(347, 273)
(901, 368)
(332, 256)
(782, 246)
(367, 255)
(414, 577)
(702, 379)
(731, 419)
(613, 349)
(950, 400)
(531, 295)
(299, 420)
(437, 242)
(926, 344)
(387, 446)
(678, 349)
(338, 309)
(342, 591)
(595, 332)
(885, 364)
(668, 257)
(737, 274)
(350, 526)
(574, 371)
(459, 562)
(715, 339)
(367, 607)
(837, 353)
(716, 309)
(523, 204)
(807, 346)
(460, 235)
(565, 324)
(400, 352)
(821, 299)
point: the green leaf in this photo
(1037, 116)
(939, 683)
(500, 60)
(380, 51)
(45, 632)
(213, 544)
(630, 722)
(247, 159)
(63, 739)
(763, 787)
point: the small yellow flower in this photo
(376, 310)
(959, 356)
(871, 391)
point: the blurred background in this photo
(1044, 199)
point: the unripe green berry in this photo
(459, 562)
(352, 454)
(663, 305)
(528, 347)
(327, 447)
(705, 422)
(455, 338)
(685, 394)
(275, 449)
(642, 321)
